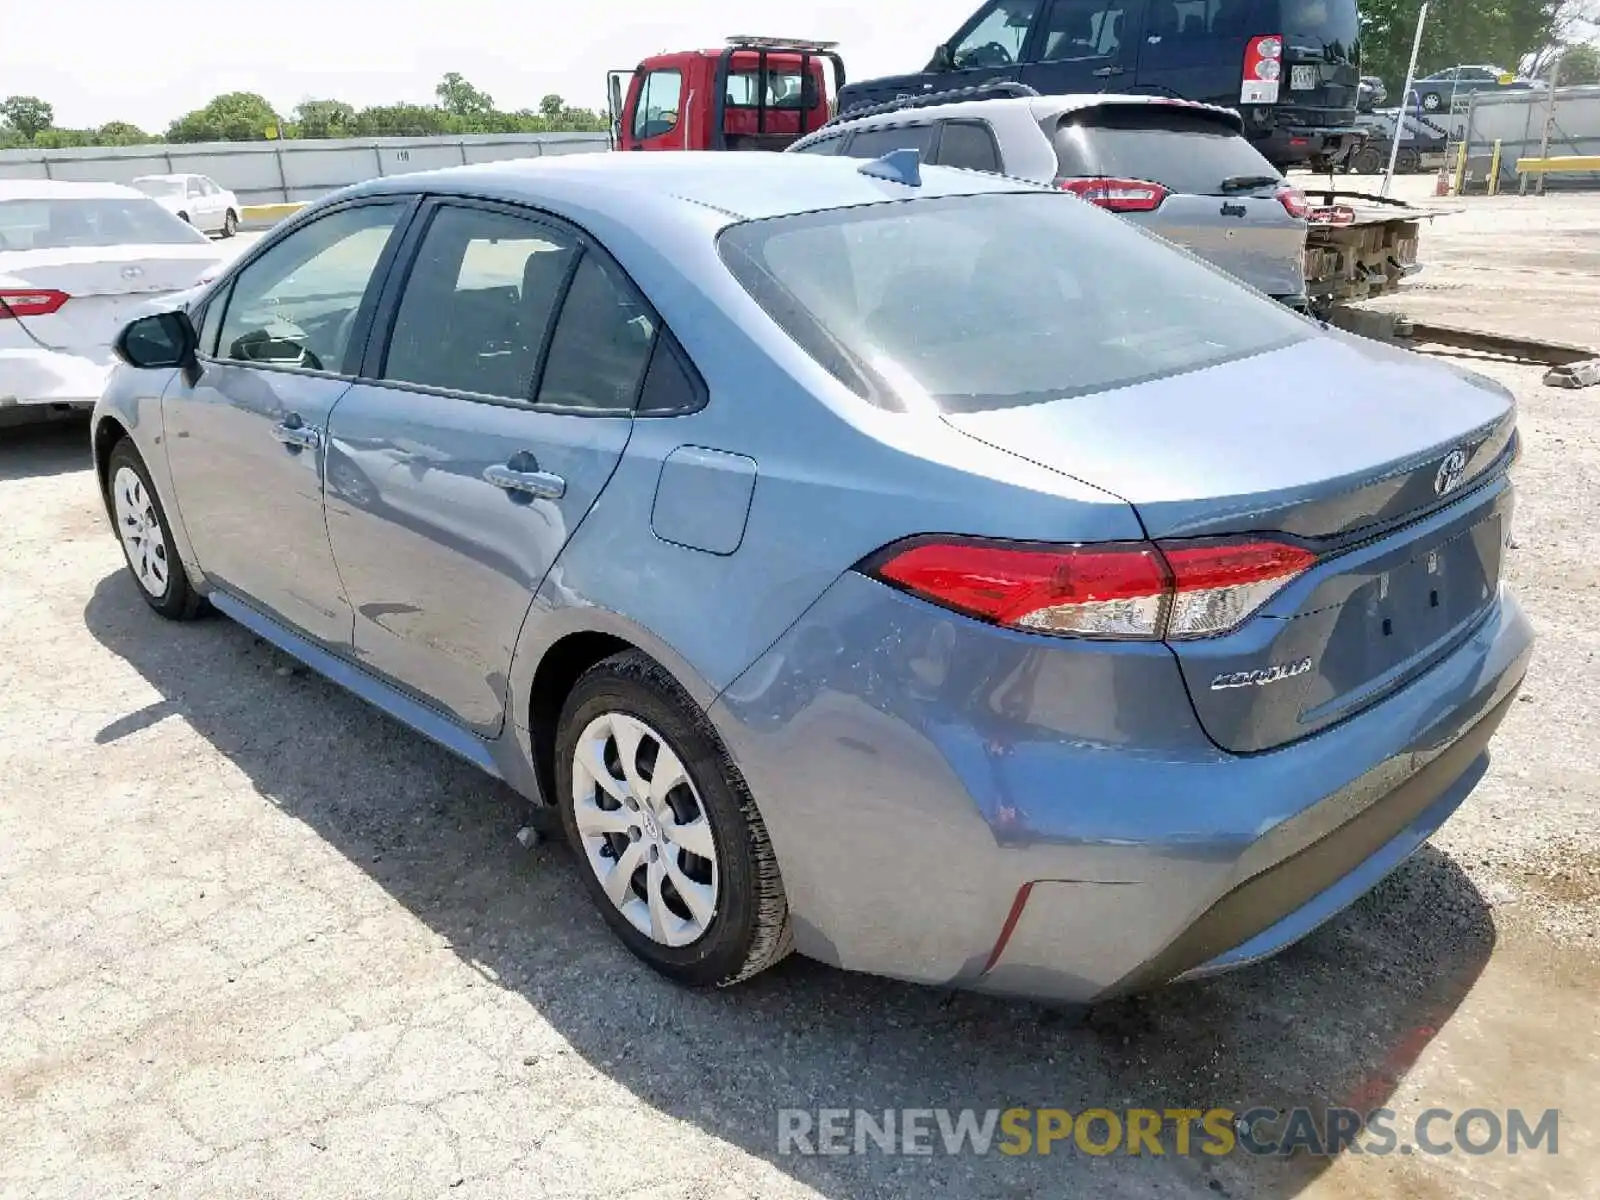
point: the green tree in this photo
(120, 133)
(325, 119)
(1504, 32)
(460, 99)
(230, 117)
(29, 116)
(401, 120)
(551, 106)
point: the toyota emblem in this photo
(132, 272)
(1451, 472)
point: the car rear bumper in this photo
(955, 804)
(38, 376)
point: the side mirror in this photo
(158, 341)
(943, 60)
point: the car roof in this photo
(1039, 108)
(63, 189)
(743, 186)
(179, 175)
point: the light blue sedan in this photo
(918, 569)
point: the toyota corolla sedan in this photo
(915, 568)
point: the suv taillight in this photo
(1119, 195)
(1263, 69)
(30, 302)
(1133, 591)
(1294, 202)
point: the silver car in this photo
(1181, 169)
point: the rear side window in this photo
(827, 145)
(1183, 152)
(601, 345)
(968, 144)
(875, 143)
(962, 303)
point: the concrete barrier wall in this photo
(1517, 120)
(263, 173)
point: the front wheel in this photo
(230, 224)
(1367, 161)
(1432, 101)
(669, 842)
(146, 537)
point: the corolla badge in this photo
(1451, 472)
(132, 272)
(1276, 673)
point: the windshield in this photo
(1181, 151)
(1332, 25)
(160, 187)
(784, 89)
(112, 221)
(974, 302)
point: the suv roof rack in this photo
(1003, 90)
(776, 43)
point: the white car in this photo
(77, 262)
(197, 199)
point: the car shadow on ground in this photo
(1334, 1021)
(44, 448)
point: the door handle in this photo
(521, 474)
(1107, 72)
(292, 431)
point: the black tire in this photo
(178, 601)
(1367, 161)
(184, 217)
(750, 929)
(1432, 101)
(230, 224)
(1407, 162)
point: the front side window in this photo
(479, 302)
(657, 111)
(296, 305)
(957, 304)
(114, 221)
(998, 37)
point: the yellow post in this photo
(1461, 167)
(1494, 170)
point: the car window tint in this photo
(1181, 151)
(956, 304)
(875, 143)
(827, 145)
(671, 385)
(1077, 29)
(296, 305)
(998, 37)
(657, 112)
(602, 342)
(478, 302)
(968, 144)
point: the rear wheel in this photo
(184, 217)
(669, 841)
(230, 224)
(1367, 161)
(1432, 101)
(146, 537)
(1407, 162)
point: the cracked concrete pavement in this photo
(256, 940)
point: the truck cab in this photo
(754, 93)
(1291, 67)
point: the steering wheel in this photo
(990, 54)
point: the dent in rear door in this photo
(450, 492)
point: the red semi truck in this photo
(755, 93)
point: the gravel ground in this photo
(256, 940)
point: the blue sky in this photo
(102, 60)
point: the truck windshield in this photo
(962, 303)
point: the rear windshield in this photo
(778, 89)
(60, 224)
(973, 302)
(1333, 25)
(1181, 151)
(160, 187)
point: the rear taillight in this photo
(1119, 195)
(30, 302)
(1263, 69)
(1294, 202)
(1138, 591)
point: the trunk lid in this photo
(1392, 470)
(1222, 202)
(107, 285)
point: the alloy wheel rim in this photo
(140, 531)
(644, 830)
